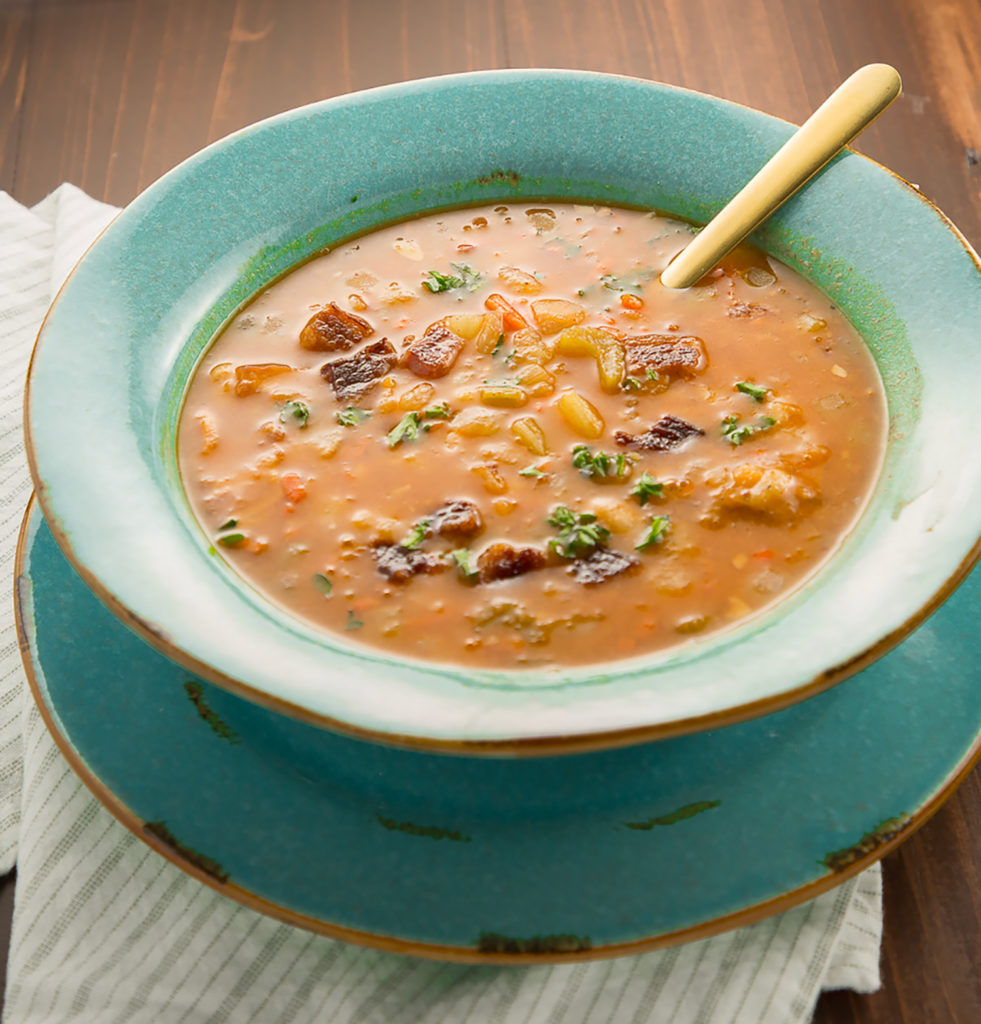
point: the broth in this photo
(491, 437)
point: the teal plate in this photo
(493, 859)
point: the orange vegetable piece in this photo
(631, 301)
(293, 487)
(513, 320)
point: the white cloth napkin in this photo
(107, 932)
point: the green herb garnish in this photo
(646, 488)
(229, 525)
(753, 390)
(407, 429)
(231, 540)
(735, 432)
(600, 464)
(353, 622)
(462, 558)
(465, 277)
(295, 410)
(630, 384)
(351, 417)
(440, 411)
(579, 533)
(417, 534)
(653, 375)
(497, 345)
(531, 471)
(656, 532)
(323, 583)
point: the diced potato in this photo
(476, 423)
(785, 413)
(506, 396)
(504, 506)
(466, 325)
(329, 445)
(396, 295)
(417, 397)
(581, 415)
(618, 516)
(553, 315)
(606, 349)
(223, 374)
(536, 380)
(520, 281)
(611, 363)
(583, 341)
(528, 432)
(530, 346)
(489, 332)
(250, 376)
(209, 435)
(491, 479)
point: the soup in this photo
(492, 437)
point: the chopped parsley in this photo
(600, 464)
(753, 390)
(407, 429)
(497, 345)
(229, 525)
(735, 432)
(646, 489)
(440, 411)
(231, 540)
(462, 558)
(630, 384)
(353, 622)
(656, 532)
(653, 374)
(323, 583)
(465, 277)
(295, 410)
(352, 417)
(579, 533)
(417, 534)
(532, 471)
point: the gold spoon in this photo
(855, 104)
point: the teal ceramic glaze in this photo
(118, 345)
(463, 857)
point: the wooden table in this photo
(110, 94)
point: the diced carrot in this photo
(765, 553)
(293, 487)
(631, 301)
(513, 320)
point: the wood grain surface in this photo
(110, 94)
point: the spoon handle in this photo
(849, 109)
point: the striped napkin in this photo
(107, 932)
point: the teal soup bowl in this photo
(120, 342)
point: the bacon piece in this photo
(501, 561)
(331, 328)
(456, 519)
(669, 432)
(434, 354)
(664, 354)
(602, 564)
(353, 376)
(400, 564)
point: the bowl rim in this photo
(545, 744)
